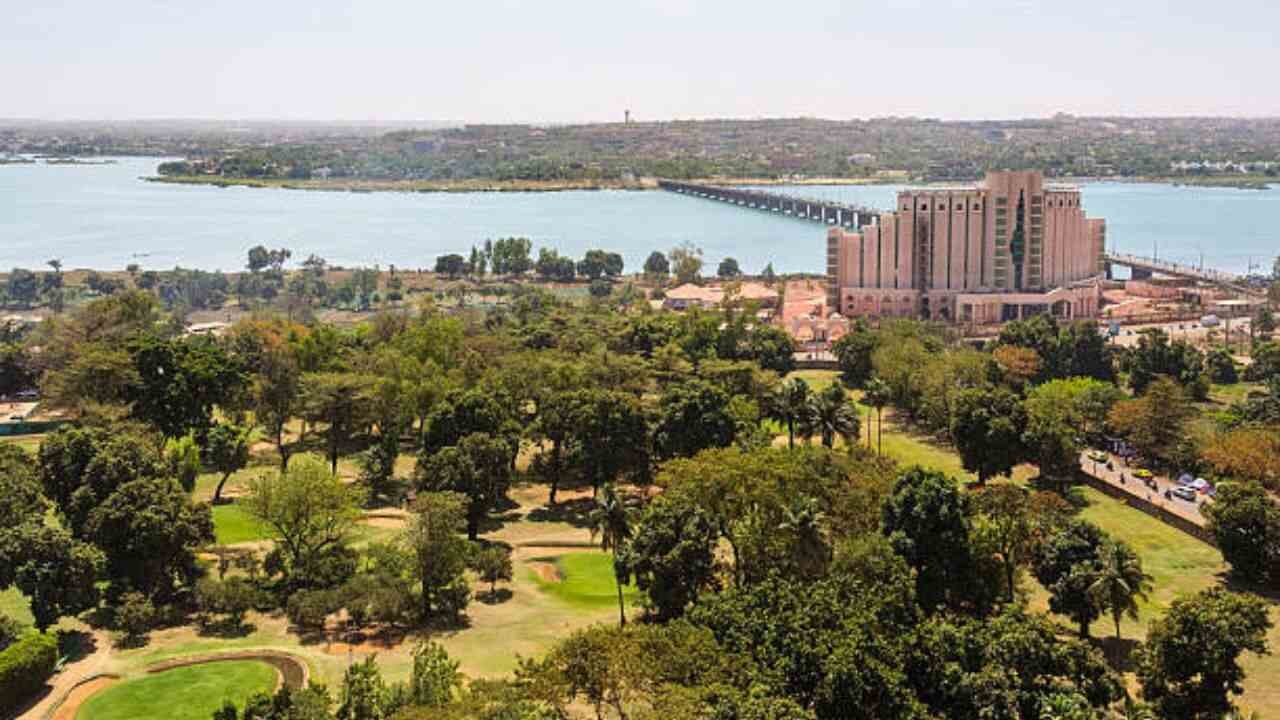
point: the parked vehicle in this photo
(1097, 456)
(1184, 493)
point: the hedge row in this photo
(24, 668)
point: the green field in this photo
(233, 524)
(586, 580)
(188, 693)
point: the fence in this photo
(1156, 511)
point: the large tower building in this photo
(1006, 248)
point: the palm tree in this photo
(611, 521)
(1120, 582)
(803, 521)
(791, 407)
(877, 396)
(833, 414)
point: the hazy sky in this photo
(571, 60)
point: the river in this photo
(105, 217)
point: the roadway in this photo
(1134, 486)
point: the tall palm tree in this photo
(833, 414)
(791, 407)
(1120, 582)
(611, 521)
(877, 396)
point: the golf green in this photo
(186, 693)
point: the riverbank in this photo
(408, 186)
(1240, 182)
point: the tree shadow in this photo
(576, 512)
(496, 597)
(1233, 582)
(75, 645)
(225, 628)
(1119, 652)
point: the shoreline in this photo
(646, 184)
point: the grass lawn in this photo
(233, 524)
(189, 693)
(586, 580)
(30, 443)
(817, 379)
(14, 604)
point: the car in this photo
(1142, 473)
(1098, 456)
(1184, 493)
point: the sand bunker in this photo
(546, 571)
(70, 705)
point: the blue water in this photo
(105, 217)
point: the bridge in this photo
(827, 212)
(1143, 267)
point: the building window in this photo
(924, 207)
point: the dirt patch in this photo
(363, 647)
(546, 571)
(390, 521)
(71, 703)
(293, 671)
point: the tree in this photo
(150, 531)
(180, 381)
(339, 400)
(853, 352)
(309, 510)
(276, 394)
(552, 266)
(1120, 582)
(833, 414)
(364, 695)
(768, 275)
(492, 564)
(656, 265)
(986, 427)
(440, 554)
(56, 572)
(927, 521)
(597, 264)
(22, 287)
(792, 407)
(671, 556)
(452, 265)
(21, 498)
(1247, 453)
(1189, 666)
(478, 468)
(463, 413)
(1154, 423)
(728, 269)
(1016, 524)
(610, 519)
(434, 676)
(692, 415)
(182, 460)
(610, 437)
(1067, 566)
(510, 256)
(1155, 355)
(226, 451)
(80, 467)
(1018, 365)
(772, 348)
(1220, 368)
(877, 395)
(686, 262)
(1060, 416)
(1245, 522)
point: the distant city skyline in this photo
(568, 61)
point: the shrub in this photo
(135, 616)
(24, 667)
(308, 608)
(453, 598)
(10, 630)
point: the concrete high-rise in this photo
(1006, 248)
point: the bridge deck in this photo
(828, 212)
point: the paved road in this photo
(1134, 486)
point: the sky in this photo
(589, 60)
